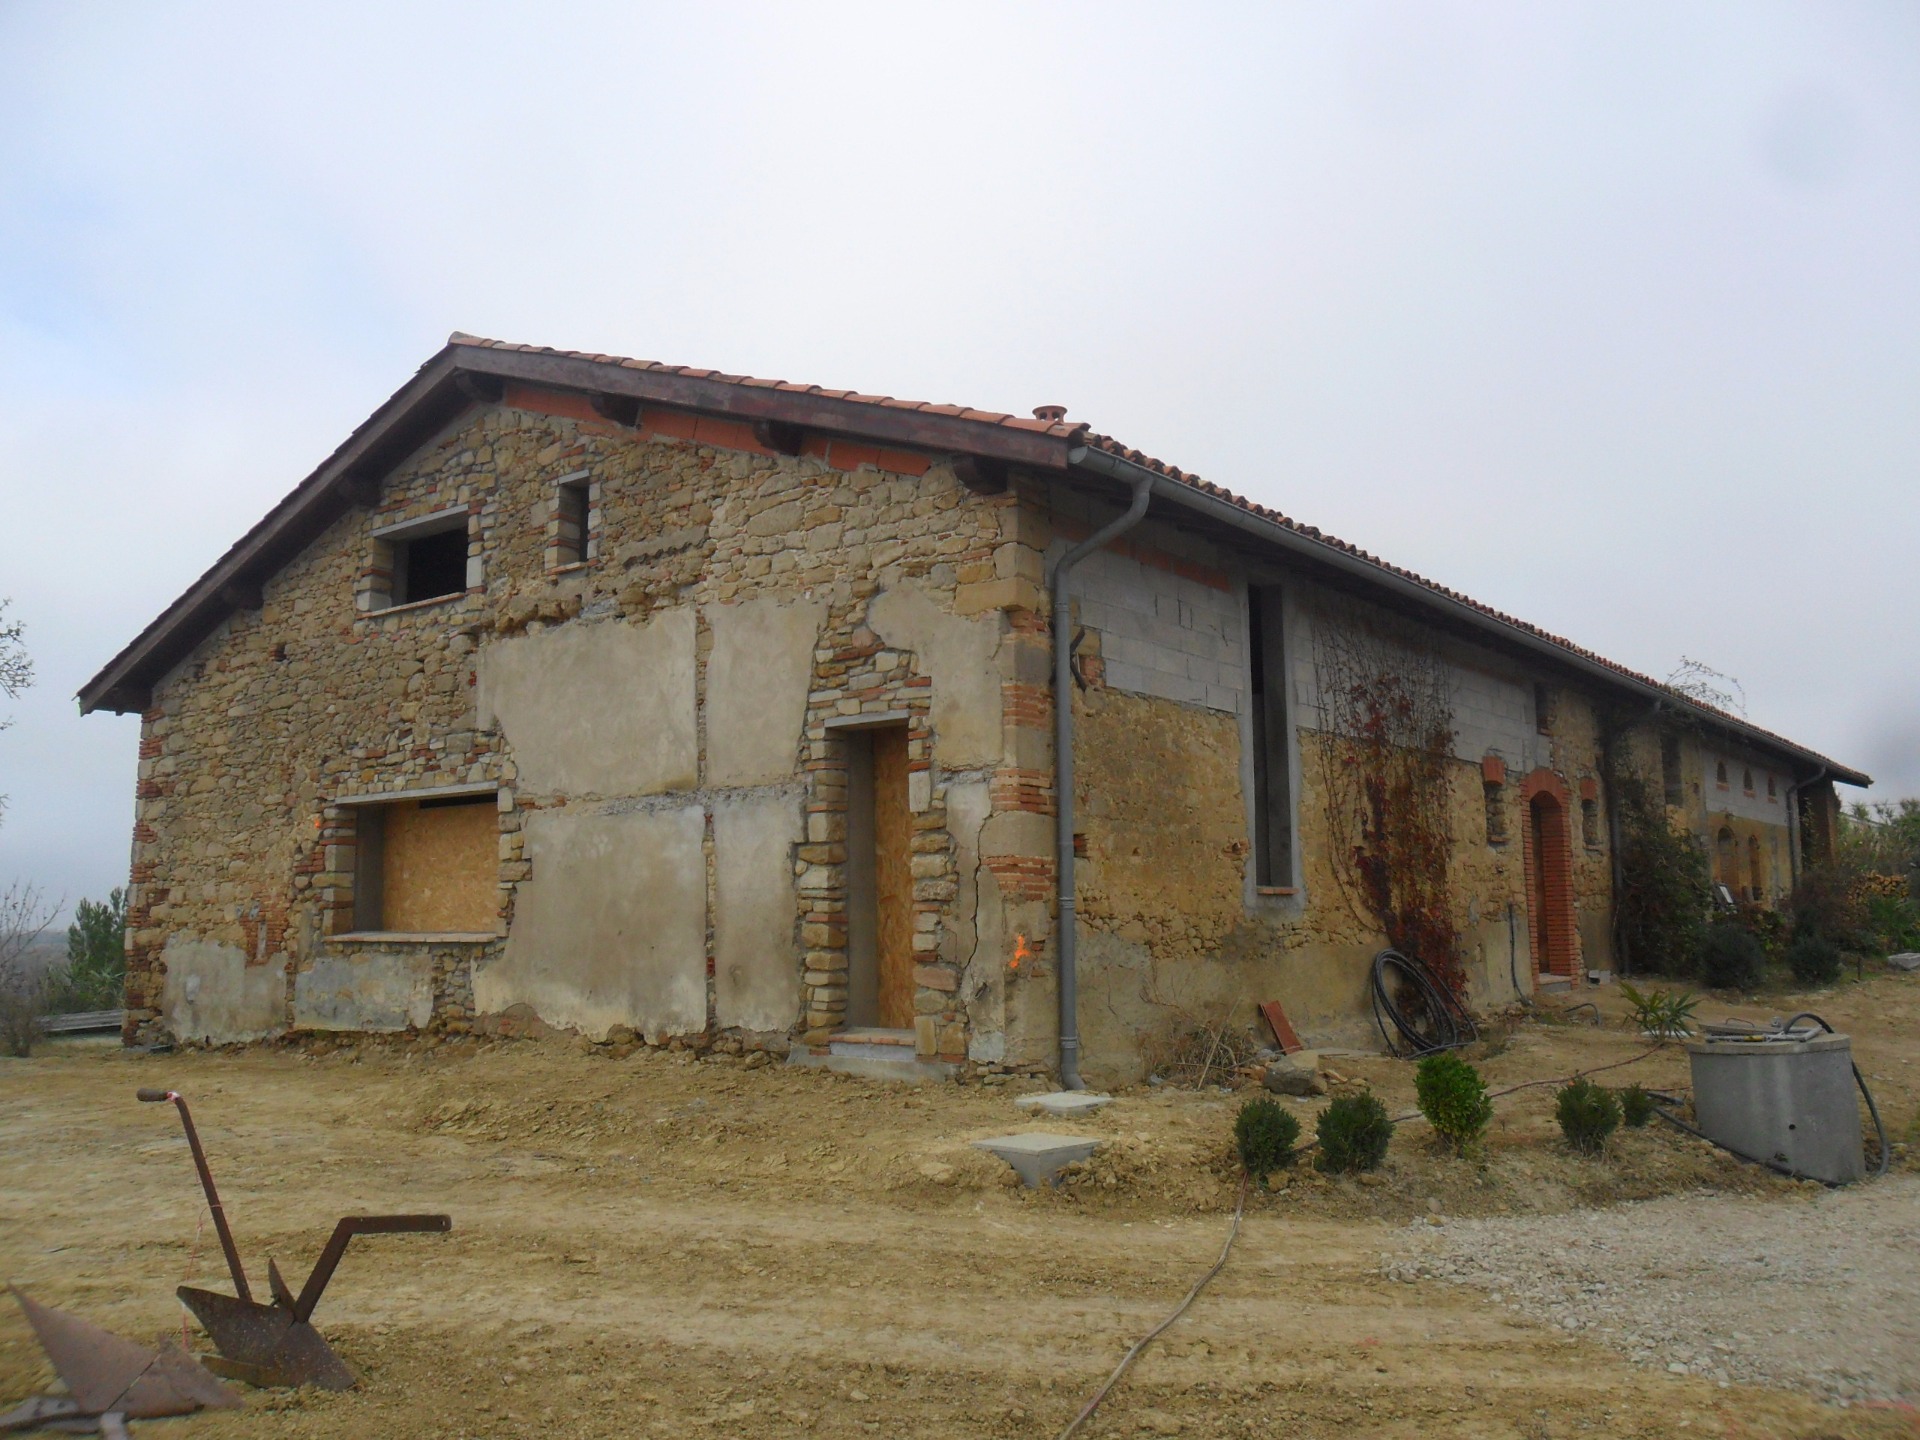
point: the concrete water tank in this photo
(1787, 1098)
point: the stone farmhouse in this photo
(586, 693)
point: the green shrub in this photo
(1588, 1114)
(1353, 1133)
(1661, 1013)
(1731, 958)
(1814, 959)
(1265, 1136)
(1453, 1097)
(1664, 900)
(1636, 1107)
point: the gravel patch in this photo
(1820, 1295)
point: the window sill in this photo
(412, 937)
(1278, 890)
(412, 605)
(570, 567)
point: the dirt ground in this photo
(663, 1246)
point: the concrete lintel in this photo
(426, 792)
(867, 722)
(421, 525)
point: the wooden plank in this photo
(893, 877)
(1282, 1027)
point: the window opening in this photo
(428, 866)
(880, 983)
(1671, 779)
(1542, 709)
(1590, 823)
(1720, 773)
(1493, 784)
(572, 538)
(427, 567)
(1772, 793)
(1756, 874)
(1746, 781)
(1272, 773)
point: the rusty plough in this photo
(276, 1344)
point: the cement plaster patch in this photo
(211, 993)
(959, 655)
(600, 709)
(757, 678)
(365, 990)
(611, 927)
(756, 971)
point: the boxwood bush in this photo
(1265, 1135)
(1353, 1133)
(1453, 1097)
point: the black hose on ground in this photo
(1449, 1024)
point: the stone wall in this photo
(656, 720)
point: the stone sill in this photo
(1281, 890)
(411, 937)
(413, 605)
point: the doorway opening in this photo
(879, 881)
(1549, 885)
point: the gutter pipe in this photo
(1142, 484)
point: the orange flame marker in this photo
(1020, 952)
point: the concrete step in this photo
(1038, 1157)
(1065, 1102)
(872, 1044)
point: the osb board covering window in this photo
(440, 867)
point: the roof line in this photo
(1108, 457)
(469, 370)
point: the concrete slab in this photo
(904, 1069)
(1065, 1102)
(1037, 1157)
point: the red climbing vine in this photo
(1387, 722)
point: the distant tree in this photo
(16, 668)
(23, 917)
(96, 971)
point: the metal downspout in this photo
(1142, 485)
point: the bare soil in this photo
(663, 1246)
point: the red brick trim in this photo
(1549, 874)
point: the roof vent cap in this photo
(1052, 414)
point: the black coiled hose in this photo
(1440, 1023)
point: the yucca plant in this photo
(1662, 1014)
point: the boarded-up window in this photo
(429, 866)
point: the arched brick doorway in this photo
(1549, 870)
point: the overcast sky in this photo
(1607, 314)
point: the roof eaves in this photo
(1367, 566)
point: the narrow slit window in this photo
(1720, 774)
(1590, 823)
(1272, 773)
(572, 511)
(1496, 793)
(1542, 709)
(1671, 779)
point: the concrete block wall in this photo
(1167, 627)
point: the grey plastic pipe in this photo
(1065, 924)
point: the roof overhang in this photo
(465, 373)
(1337, 559)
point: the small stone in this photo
(1286, 1078)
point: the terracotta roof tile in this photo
(1062, 428)
(1173, 472)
